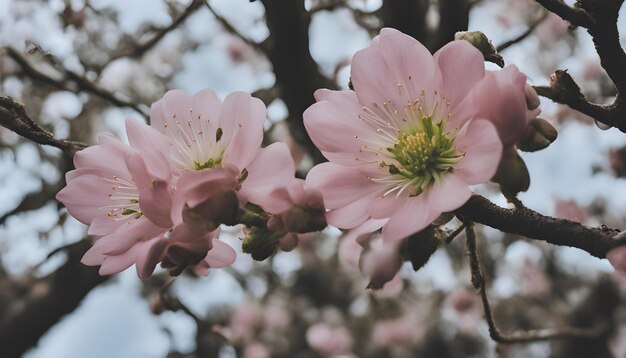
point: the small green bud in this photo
(539, 135)
(260, 243)
(512, 174)
(483, 44)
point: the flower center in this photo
(197, 143)
(125, 199)
(423, 154)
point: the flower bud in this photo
(617, 258)
(381, 262)
(260, 243)
(532, 99)
(221, 208)
(512, 174)
(483, 44)
(539, 135)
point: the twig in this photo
(139, 49)
(230, 28)
(600, 19)
(69, 80)
(13, 116)
(533, 225)
(478, 281)
(523, 35)
(575, 16)
(454, 234)
(174, 304)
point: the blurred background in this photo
(81, 67)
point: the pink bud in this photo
(381, 261)
(617, 258)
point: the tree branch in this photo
(297, 74)
(478, 281)
(600, 19)
(69, 81)
(138, 49)
(531, 224)
(13, 116)
(36, 308)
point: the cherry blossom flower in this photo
(406, 144)
(617, 258)
(217, 155)
(124, 193)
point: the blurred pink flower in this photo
(381, 261)
(125, 194)
(504, 98)
(617, 258)
(569, 209)
(407, 143)
(327, 340)
(295, 208)
(256, 350)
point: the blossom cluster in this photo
(404, 146)
(162, 198)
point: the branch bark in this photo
(297, 74)
(531, 224)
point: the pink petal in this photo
(108, 156)
(241, 119)
(363, 231)
(483, 150)
(154, 192)
(395, 59)
(340, 185)
(449, 194)
(461, 66)
(206, 104)
(351, 215)
(273, 167)
(617, 258)
(500, 98)
(128, 235)
(412, 217)
(221, 255)
(84, 197)
(384, 207)
(147, 255)
(153, 146)
(334, 125)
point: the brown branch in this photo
(13, 116)
(297, 74)
(531, 224)
(68, 80)
(478, 281)
(600, 19)
(522, 36)
(575, 16)
(260, 47)
(28, 312)
(138, 49)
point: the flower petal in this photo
(273, 167)
(448, 194)
(241, 119)
(412, 217)
(482, 147)
(340, 185)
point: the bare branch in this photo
(575, 16)
(138, 49)
(531, 224)
(69, 80)
(260, 47)
(13, 116)
(523, 35)
(478, 281)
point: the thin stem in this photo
(478, 281)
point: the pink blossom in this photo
(295, 208)
(617, 258)
(125, 194)
(327, 340)
(382, 261)
(124, 208)
(256, 350)
(406, 145)
(505, 99)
